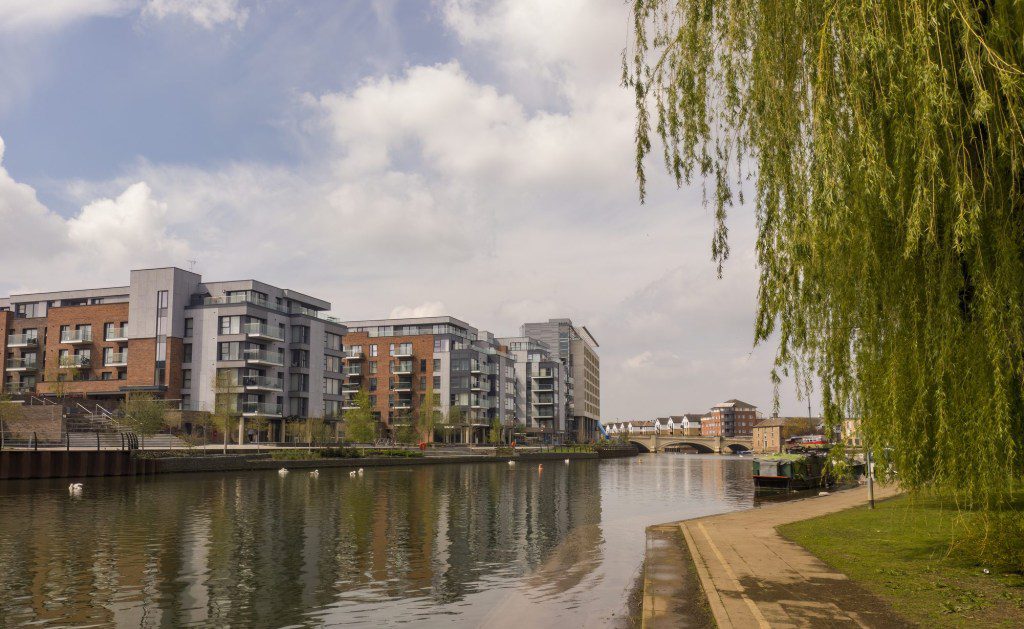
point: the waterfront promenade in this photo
(753, 577)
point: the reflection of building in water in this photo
(258, 549)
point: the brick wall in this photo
(97, 315)
(422, 349)
(141, 362)
(44, 421)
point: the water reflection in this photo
(470, 545)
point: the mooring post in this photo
(97, 440)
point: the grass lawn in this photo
(902, 552)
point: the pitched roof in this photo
(734, 403)
(643, 423)
(693, 417)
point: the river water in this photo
(446, 545)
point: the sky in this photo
(395, 157)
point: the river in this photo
(429, 546)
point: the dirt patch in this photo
(672, 596)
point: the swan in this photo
(511, 463)
(75, 489)
(315, 473)
(352, 473)
(282, 471)
(567, 461)
(360, 471)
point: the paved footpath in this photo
(753, 577)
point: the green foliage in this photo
(340, 453)
(405, 433)
(886, 142)
(426, 415)
(456, 416)
(494, 434)
(293, 455)
(143, 414)
(359, 423)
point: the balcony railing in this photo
(75, 362)
(262, 331)
(119, 359)
(21, 364)
(262, 357)
(263, 383)
(17, 388)
(117, 334)
(403, 385)
(544, 374)
(353, 370)
(403, 352)
(76, 336)
(263, 409)
(22, 340)
(404, 366)
(352, 354)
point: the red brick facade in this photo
(422, 367)
(87, 379)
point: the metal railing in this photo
(262, 356)
(22, 340)
(263, 382)
(116, 334)
(21, 363)
(117, 359)
(76, 336)
(72, 362)
(261, 408)
(262, 329)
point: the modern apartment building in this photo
(733, 418)
(395, 360)
(577, 349)
(270, 352)
(542, 383)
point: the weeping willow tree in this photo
(883, 146)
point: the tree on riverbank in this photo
(886, 141)
(426, 415)
(143, 414)
(359, 422)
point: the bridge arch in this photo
(699, 447)
(641, 447)
(738, 447)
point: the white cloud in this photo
(427, 309)
(41, 15)
(205, 13)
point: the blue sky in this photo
(396, 158)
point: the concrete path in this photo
(754, 578)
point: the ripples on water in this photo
(462, 545)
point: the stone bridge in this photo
(717, 445)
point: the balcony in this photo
(402, 405)
(542, 388)
(75, 362)
(403, 352)
(119, 359)
(351, 354)
(262, 357)
(353, 371)
(403, 385)
(544, 415)
(349, 405)
(262, 383)
(403, 367)
(76, 337)
(116, 334)
(18, 388)
(261, 409)
(544, 374)
(22, 340)
(21, 364)
(262, 332)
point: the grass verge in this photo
(903, 551)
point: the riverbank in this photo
(753, 577)
(902, 552)
(27, 464)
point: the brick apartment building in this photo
(733, 418)
(171, 334)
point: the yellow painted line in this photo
(761, 622)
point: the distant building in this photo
(733, 418)
(772, 435)
(690, 424)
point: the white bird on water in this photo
(352, 473)
(315, 473)
(282, 471)
(567, 461)
(511, 463)
(75, 489)
(360, 471)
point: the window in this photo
(300, 334)
(231, 325)
(186, 353)
(299, 382)
(373, 367)
(423, 364)
(373, 350)
(391, 350)
(373, 384)
(189, 325)
(106, 375)
(231, 350)
(373, 400)
(437, 382)
(332, 386)
(423, 383)
(300, 358)
(186, 378)
(332, 364)
(437, 365)
(332, 341)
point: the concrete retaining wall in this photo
(44, 421)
